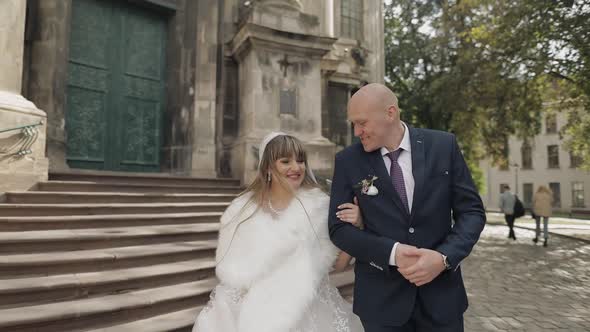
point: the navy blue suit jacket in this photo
(447, 215)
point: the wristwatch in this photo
(446, 262)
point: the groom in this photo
(421, 222)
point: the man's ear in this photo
(392, 112)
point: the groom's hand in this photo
(406, 255)
(429, 265)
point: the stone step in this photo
(81, 186)
(106, 310)
(87, 239)
(183, 320)
(53, 263)
(37, 290)
(178, 321)
(50, 197)
(140, 178)
(107, 208)
(31, 223)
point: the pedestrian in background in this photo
(507, 200)
(542, 203)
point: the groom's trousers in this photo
(419, 322)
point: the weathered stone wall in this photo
(47, 71)
(181, 62)
(374, 43)
(205, 99)
(18, 171)
(279, 48)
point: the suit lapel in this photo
(376, 160)
(418, 164)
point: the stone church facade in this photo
(177, 86)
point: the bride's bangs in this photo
(287, 147)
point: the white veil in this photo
(267, 140)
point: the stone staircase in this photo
(100, 251)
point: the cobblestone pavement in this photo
(519, 286)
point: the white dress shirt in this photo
(405, 162)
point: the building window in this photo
(575, 160)
(555, 188)
(527, 192)
(334, 124)
(551, 124)
(351, 19)
(230, 102)
(578, 194)
(527, 156)
(553, 156)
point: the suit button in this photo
(411, 230)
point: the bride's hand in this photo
(351, 213)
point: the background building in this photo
(178, 86)
(541, 160)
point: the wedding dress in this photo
(273, 271)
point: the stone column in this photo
(203, 154)
(17, 171)
(47, 84)
(279, 51)
(373, 31)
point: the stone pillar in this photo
(375, 43)
(279, 51)
(17, 171)
(203, 154)
(181, 60)
(48, 72)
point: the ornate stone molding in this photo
(283, 4)
(252, 35)
(16, 103)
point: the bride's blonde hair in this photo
(282, 146)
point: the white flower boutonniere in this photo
(367, 186)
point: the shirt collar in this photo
(405, 143)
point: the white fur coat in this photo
(278, 262)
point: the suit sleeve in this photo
(362, 245)
(468, 212)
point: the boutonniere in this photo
(367, 186)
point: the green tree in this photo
(439, 61)
(553, 37)
(482, 68)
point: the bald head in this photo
(374, 113)
(377, 95)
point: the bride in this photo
(274, 253)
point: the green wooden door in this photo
(115, 91)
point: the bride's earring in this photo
(268, 177)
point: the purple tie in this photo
(397, 177)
